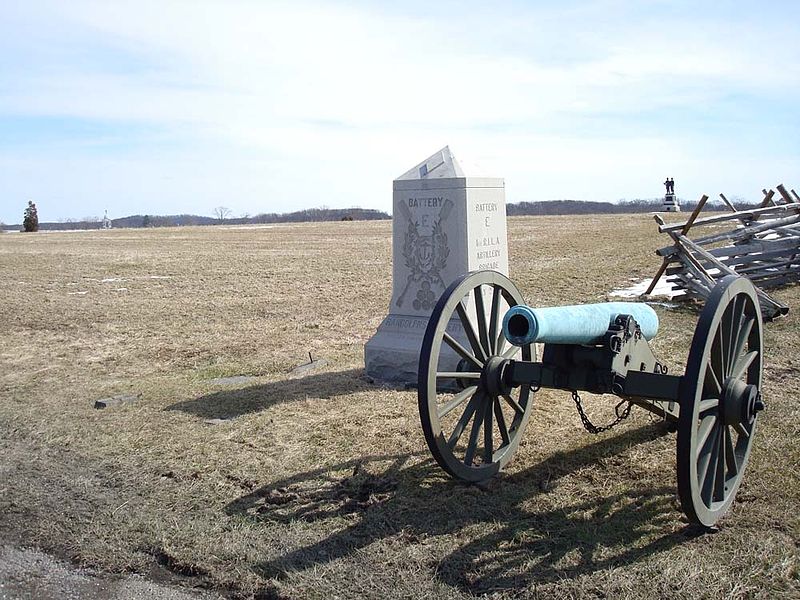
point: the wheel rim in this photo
(472, 421)
(720, 400)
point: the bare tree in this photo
(222, 213)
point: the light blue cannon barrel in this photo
(581, 324)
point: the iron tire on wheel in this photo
(480, 406)
(720, 401)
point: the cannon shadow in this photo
(397, 495)
(229, 404)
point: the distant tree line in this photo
(221, 216)
(320, 214)
(581, 207)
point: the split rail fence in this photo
(762, 244)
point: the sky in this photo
(171, 106)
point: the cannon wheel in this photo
(719, 401)
(472, 423)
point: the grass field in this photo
(321, 486)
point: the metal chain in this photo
(591, 427)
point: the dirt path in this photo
(32, 575)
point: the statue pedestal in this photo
(445, 224)
(671, 203)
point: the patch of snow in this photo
(663, 288)
(77, 293)
(110, 279)
(160, 277)
(120, 289)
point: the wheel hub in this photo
(740, 402)
(492, 379)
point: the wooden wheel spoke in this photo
(726, 336)
(469, 330)
(511, 352)
(741, 430)
(706, 427)
(712, 381)
(501, 422)
(472, 444)
(488, 450)
(744, 335)
(708, 472)
(743, 364)
(513, 404)
(463, 421)
(461, 351)
(480, 314)
(717, 358)
(730, 453)
(710, 441)
(494, 319)
(731, 319)
(719, 479)
(457, 375)
(707, 404)
(457, 401)
(742, 319)
(500, 342)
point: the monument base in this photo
(671, 204)
(392, 354)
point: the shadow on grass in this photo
(229, 404)
(511, 545)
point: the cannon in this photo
(478, 375)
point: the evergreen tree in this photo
(30, 221)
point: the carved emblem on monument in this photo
(426, 257)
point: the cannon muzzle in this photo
(580, 324)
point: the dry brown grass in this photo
(322, 486)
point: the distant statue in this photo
(670, 185)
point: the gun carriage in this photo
(478, 374)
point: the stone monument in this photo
(445, 223)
